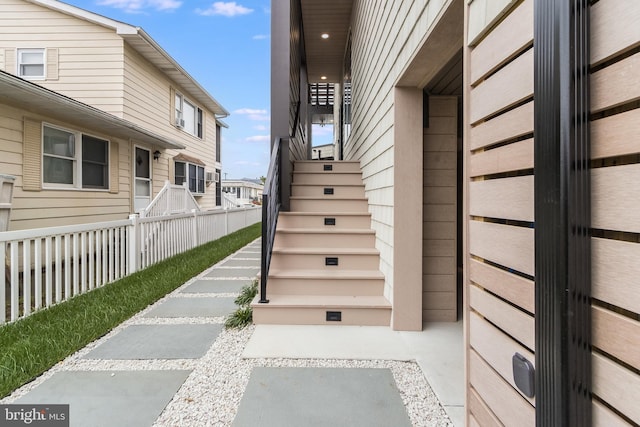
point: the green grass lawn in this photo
(32, 345)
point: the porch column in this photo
(407, 210)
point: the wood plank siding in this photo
(500, 192)
(439, 270)
(615, 226)
(379, 58)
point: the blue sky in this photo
(225, 46)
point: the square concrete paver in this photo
(193, 307)
(321, 397)
(234, 272)
(249, 255)
(107, 399)
(224, 286)
(158, 342)
(252, 263)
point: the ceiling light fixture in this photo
(323, 77)
(324, 35)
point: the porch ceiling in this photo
(325, 56)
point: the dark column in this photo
(562, 213)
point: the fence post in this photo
(194, 228)
(226, 222)
(134, 244)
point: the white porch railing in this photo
(229, 201)
(42, 267)
(171, 199)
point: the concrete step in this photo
(325, 282)
(319, 166)
(323, 238)
(327, 191)
(327, 178)
(325, 219)
(314, 310)
(327, 259)
(328, 204)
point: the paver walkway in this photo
(149, 364)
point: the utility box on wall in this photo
(6, 198)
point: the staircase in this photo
(324, 265)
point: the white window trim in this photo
(44, 62)
(179, 115)
(187, 177)
(77, 171)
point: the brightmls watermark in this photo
(34, 415)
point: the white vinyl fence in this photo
(45, 266)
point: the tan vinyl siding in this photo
(149, 101)
(439, 270)
(48, 208)
(89, 57)
(499, 154)
(614, 191)
(379, 57)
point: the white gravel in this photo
(211, 394)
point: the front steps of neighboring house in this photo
(325, 267)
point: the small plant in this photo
(243, 316)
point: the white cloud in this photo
(261, 127)
(137, 6)
(260, 36)
(258, 138)
(229, 9)
(253, 114)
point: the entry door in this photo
(142, 187)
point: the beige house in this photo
(459, 197)
(118, 69)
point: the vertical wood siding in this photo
(36, 208)
(499, 152)
(615, 37)
(379, 56)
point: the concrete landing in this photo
(438, 350)
(137, 342)
(312, 397)
(108, 399)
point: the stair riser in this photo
(262, 314)
(302, 240)
(327, 178)
(318, 191)
(317, 262)
(328, 205)
(319, 166)
(317, 221)
(282, 286)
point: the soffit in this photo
(30, 97)
(325, 56)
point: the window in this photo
(192, 174)
(74, 160)
(188, 117)
(218, 143)
(31, 63)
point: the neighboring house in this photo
(119, 69)
(532, 241)
(246, 191)
(323, 152)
